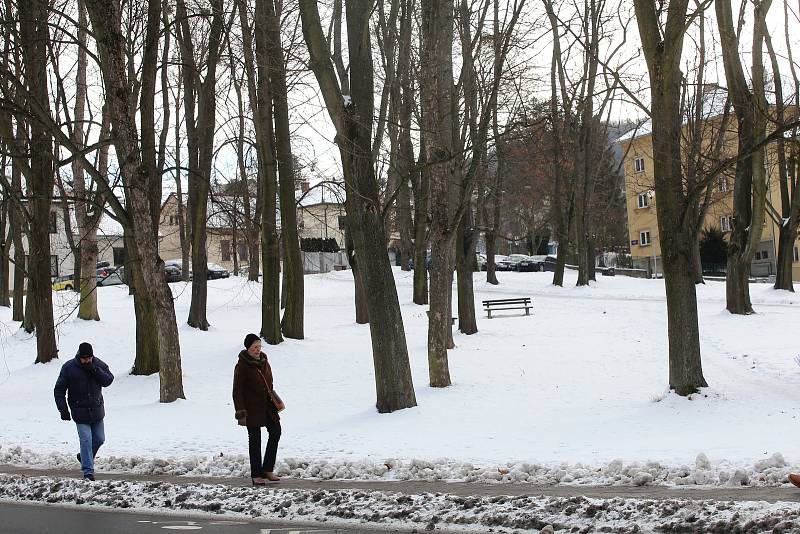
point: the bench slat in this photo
(506, 301)
(515, 308)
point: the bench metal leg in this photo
(489, 312)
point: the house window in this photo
(54, 266)
(644, 238)
(765, 254)
(119, 255)
(722, 184)
(243, 252)
(796, 255)
(226, 250)
(638, 164)
(644, 200)
(725, 223)
(52, 225)
(758, 255)
(172, 220)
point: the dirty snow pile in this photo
(771, 472)
(426, 511)
(576, 393)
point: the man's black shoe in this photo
(88, 477)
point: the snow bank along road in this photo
(370, 505)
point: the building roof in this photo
(714, 99)
(322, 193)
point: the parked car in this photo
(63, 282)
(172, 273)
(109, 276)
(549, 264)
(531, 264)
(502, 263)
(177, 264)
(216, 271)
(512, 262)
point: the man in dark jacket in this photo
(83, 379)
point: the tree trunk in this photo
(29, 318)
(5, 245)
(465, 263)
(292, 323)
(253, 253)
(420, 191)
(185, 249)
(353, 122)
(34, 38)
(270, 241)
(106, 18)
(491, 251)
(362, 313)
(17, 218)
(663, 55)
(201, 148)
(146, 361)
(750, 185)
(697, 263)
(436, 92)
(786, 245)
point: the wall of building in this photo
(638, 170)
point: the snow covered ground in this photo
(575, 393)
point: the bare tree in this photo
(351, 115)
(33, 39)
(662, 45)
(750, 186)
(106, 17)
(788, 161)
(200, 103)
(292, 323)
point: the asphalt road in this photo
(38, 519)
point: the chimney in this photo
(304, 186)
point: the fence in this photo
(324, 262)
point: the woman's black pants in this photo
(259, 468)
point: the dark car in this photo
(172, 273)
(215, 271)
(531, 264)
(549, 264)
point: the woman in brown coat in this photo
(257, 405)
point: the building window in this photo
(796, 255)
(725, 223)
(765, 254)
(722, 184)
(172, 220)
(226, 250)
(52, 225)
(638, 164)
(54, 266)
(119, 255)
(644, 237)
(243, 252)
(644, 200)
(758, 255)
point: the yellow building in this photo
(641, 205)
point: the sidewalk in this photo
(785, 493)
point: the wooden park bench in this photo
(508, 304)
